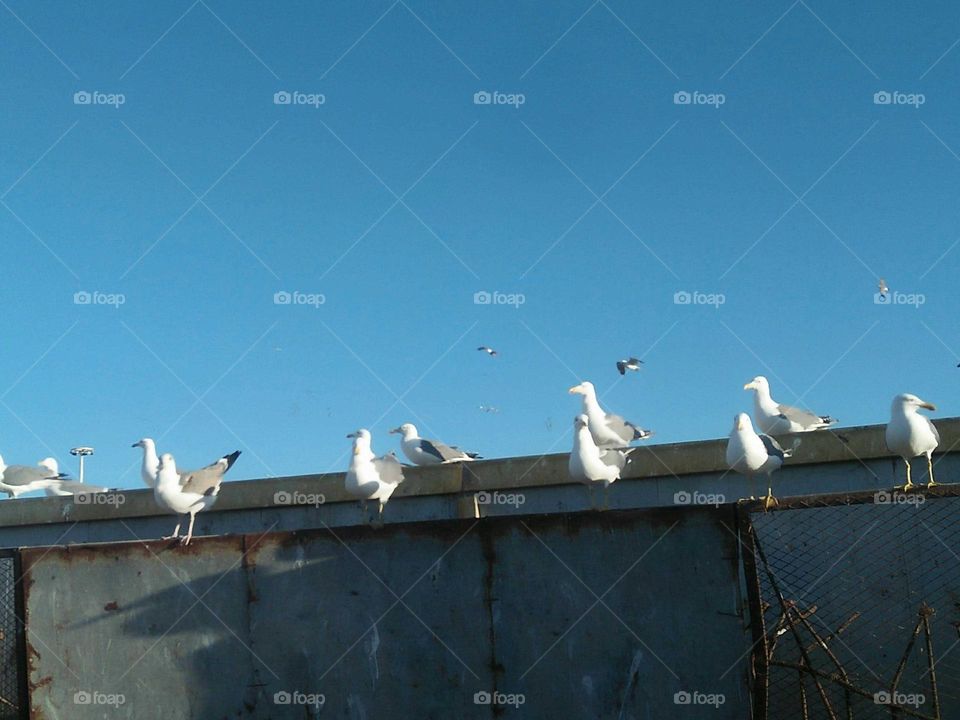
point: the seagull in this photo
(428, 452)
(66, 487)
(752, 454)
(592, 465)
(628, 364)
(910, 434)
(151, 463)
(882, 288)
(191, 491)
(488, 350)
(775, 419)
(370, 477)
(18, 479)
(489, 409)
(608, 430)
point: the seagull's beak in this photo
(748, 386)
(136, 444)
(576, 390)
(352, 435)
(395, 431)
(928, 405)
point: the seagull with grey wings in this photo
(608, 430)
(370, 477)
(16, 480)
(421, 451)
(753, 454)
(593, 465)
(910, 434)
(774, 418)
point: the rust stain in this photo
(111, 606)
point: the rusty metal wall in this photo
(619, 614)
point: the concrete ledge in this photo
(668, 462)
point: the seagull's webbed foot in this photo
(770, 501)
(908, 486)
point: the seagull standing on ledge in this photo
(910, 434)
(592, 465)
(191, 491)
(608, 430)
(428, 452)
(18, 479)
(151, 463)
(751, 454)
(370, 477)
(628, 364)
(775, 419)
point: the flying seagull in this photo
(775, 419)
(910, 434)
(189, 491)
(151, 463)
(428, 452)
(370, 477)
(18, 479)
(608, 430)
(882, 288)
(628, 364)
(488, 350)
(752, 454)
(592, 465)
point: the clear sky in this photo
(184, 192)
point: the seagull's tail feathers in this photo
(230, 459)
(827, 420)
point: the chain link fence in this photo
(855, 605)
(13, 669)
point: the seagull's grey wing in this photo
(622, 367)
(389, 469)
(614, 458)
(625, 429)
(25, 474)
(933, 429)
(804, 418)
(773, 447)
(444, 452)
(73, 487)
(206, 480)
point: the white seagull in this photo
(151, 463)
(592, 465)
(370, 477)
(18, 479)
(191, 491)
(751, 454)
(910, 434)
(428, 452)
(775, 419)
(67, 487)
(608, 430)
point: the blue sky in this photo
(398, 198)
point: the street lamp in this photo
(81, 452)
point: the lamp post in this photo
(81, 452)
